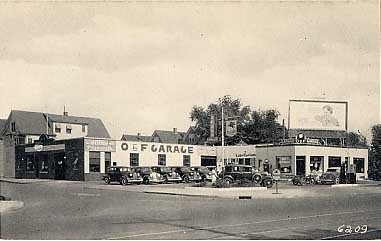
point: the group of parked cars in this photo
(156, 174)
(163, 174)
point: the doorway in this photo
(300, 165)
(60, 166)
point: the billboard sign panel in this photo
(318, 115)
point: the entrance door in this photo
(300, 165)
(60, 166)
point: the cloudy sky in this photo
(142, 66)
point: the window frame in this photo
(95, 158)
(134, 162)
(186, 159)
(162, 158)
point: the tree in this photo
(376, 146)
(355, 139)
(253, 127)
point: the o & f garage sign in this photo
(163, 148)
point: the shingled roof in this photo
(34, 123)
(127, 137)
(3, 123)
(172, 137)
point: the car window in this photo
(235, 169)
(166, 169)
(246, 169)
(228, 169)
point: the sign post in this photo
(276, 177)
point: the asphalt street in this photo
(70, 210)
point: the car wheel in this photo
(186, 179)
(295, 182)
(268, 183)
(124, 181)
(165, 179)
(257, 178)
(107, 180)
(228, 181)
(146, 181)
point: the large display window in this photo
(316, 163)
(283, 164)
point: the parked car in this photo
(150, 175)
(188, 175)
(205, 172)
(169, 174)
(331, 176)
(123, 175)
(242, 173)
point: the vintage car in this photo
(205, 172)
(150, 175)
(123, 175)
(188, 175)
(244, 173)
(169, 174)
(331, 176)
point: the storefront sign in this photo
(45, 148)
(100, 145)
(164, 148)
(245, 155)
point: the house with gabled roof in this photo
(171, 137)
(136, 138)
(26, 126)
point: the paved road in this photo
(62, 210)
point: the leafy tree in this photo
(376, 146)
(355, 139)
(253, 127)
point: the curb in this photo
(7, 206)
(9, 181)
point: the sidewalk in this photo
(31, 181)
(232, 193)
(6, 206)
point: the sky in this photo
(141, 66)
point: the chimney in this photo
(138, 133)
(65, 113)
(175, 130)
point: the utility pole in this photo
(223, 135)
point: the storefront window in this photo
(186, 161)
(283, 164)
(29, 163)
(334, 161)
(95, 160)
(76, 161)
(359, 162)
(161, 159)
(316, 163)
(44, 166)
(134, 159)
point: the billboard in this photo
(317, 115)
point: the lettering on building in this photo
(160, 148)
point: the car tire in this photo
(186, 179)
(228, 181)
(146, 181)
(268, 183)
(107, 180)
(165, 179)
(257, 178)
(124, 181)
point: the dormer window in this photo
(68, 129)
(13, 126)
(57, 128)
